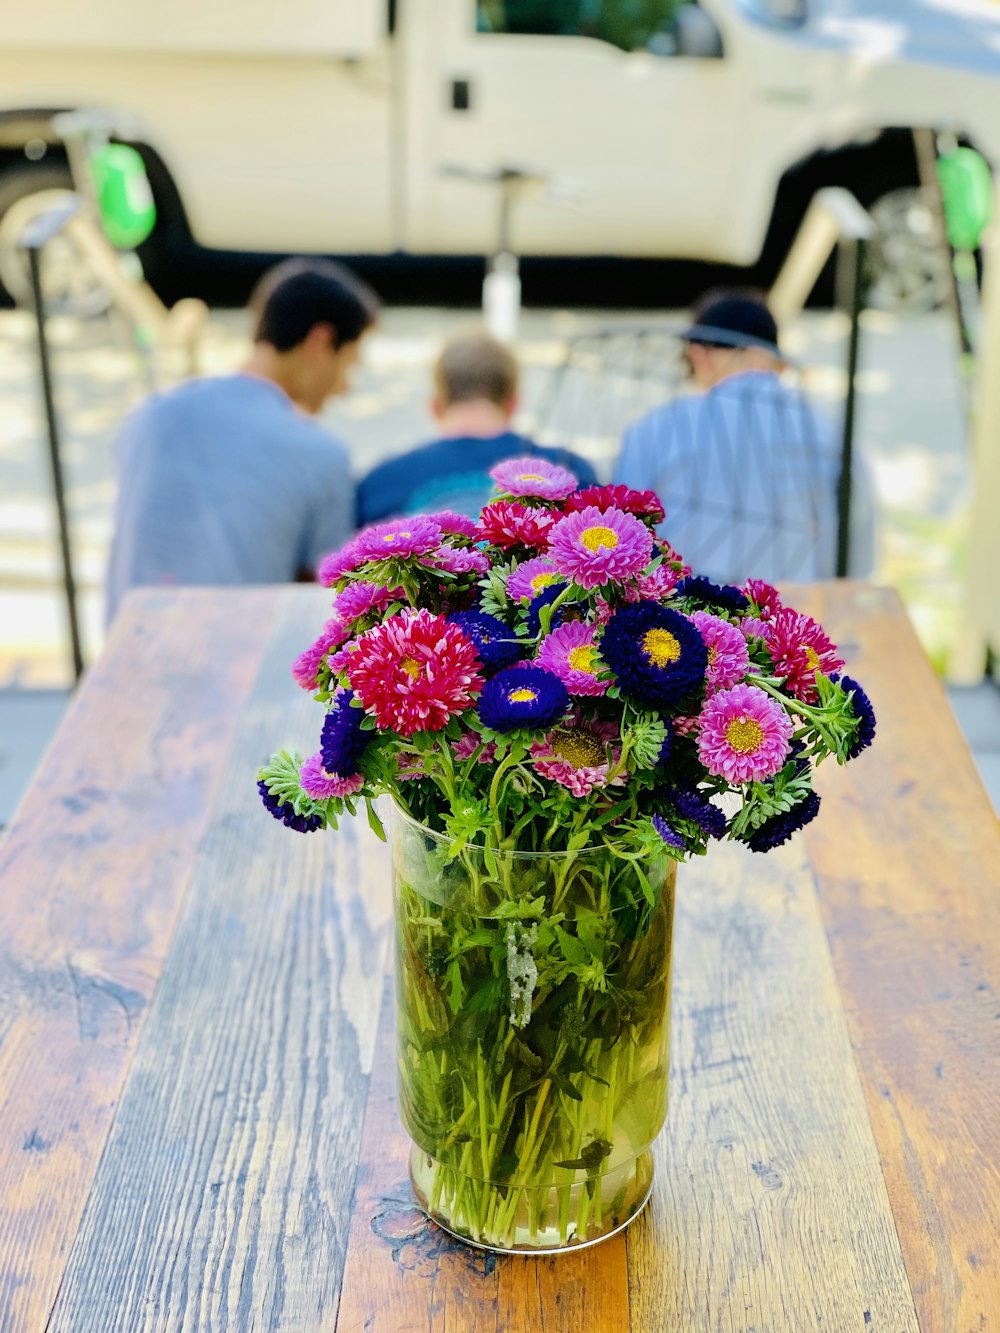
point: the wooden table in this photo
(197, 1128)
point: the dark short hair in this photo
(732, 317)
(473, 367)
(293, 297)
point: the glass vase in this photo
(533, 1026)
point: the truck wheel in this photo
(68, 285)
(908, 259)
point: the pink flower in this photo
(320, 785)
(414, 672)
(751, 628)
(535, 477)
(505, 523)
(654, 587)
(467, 745)
(531, 578)
(799, 648)
(338, 563)
(576, 755)
(673, 558)
(358, 599)
(688, 725)
(339, 660)
(306, 666)
(744, 735)
(570, 652)
(728, 658)
(644, 504)
(457, 525)
(764, 597)
(400, 539)
(596, 546)
(459, 560)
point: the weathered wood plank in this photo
(223, 1197)
(405, 1275)
(769, 1214)
(907, 853)
(94, 871)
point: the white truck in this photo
(663, 129)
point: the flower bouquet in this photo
(559, 712)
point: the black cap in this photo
(734, 321)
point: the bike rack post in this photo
(35, 238)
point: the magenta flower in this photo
(531, 578)
(338, 563)
(596, 546)
(570, 652)
(744, 735)
(728, 657)
(306, 666)
(456, 525)
(534, 477)
(505, 523)
(644, 504)
(469, 742)
(799, 648)
(358, 599)
(414, 672)
(766, 598)
(459, 560)
(401, 539)
(654, 587)
(580, 755)
(321, 785)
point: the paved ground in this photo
(911, 420)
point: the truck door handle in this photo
(461, 95)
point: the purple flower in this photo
(669, 836)
(284, 811)
(598, 546)
(534, 477)
(779, 828)
(401, 539)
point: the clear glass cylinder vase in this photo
(533, 1028)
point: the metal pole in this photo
(54, 458)
(854, 256)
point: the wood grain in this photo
(405, 1275)
(907, 853)
(769, 1212)
(223, 1198)
(94, 871)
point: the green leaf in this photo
(573, 951)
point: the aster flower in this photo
(570, 652)
(469, 742)
(306, 666)
(505, 523)
(495, 643)
(863, 711)
(522, 697)
(285, 813)
(531, 578)
(695, 805)
(669, 835)
(596, 546)
(414, 672)
(644, 504)
(338, 661)
(452, 524)
(321, 785)
(544, 598)
(722, 596)
(359, 598)
(744, 735)
(401, 539)
(580, 755)
(656, 653)
(752, 628)
(672, 557)
(779, 828)
(764, 597)
(686, 725)
(799, 648)
(728, 657)
(334, 566)
(655, 586)
(458, 560)
(534, 477)
(343, 742)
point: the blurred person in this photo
(230, 479)
(747, 469)
(475, 398)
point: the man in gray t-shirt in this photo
(230, 480)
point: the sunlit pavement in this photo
(911, 421)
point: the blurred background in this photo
(578, 171)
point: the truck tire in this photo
(69, 287)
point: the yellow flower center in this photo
(713, 653)
(595, 538)
(391, 536)
(411, 666)
(582, 659)
(744, 734)
(580, 748)
(523, 696)
(661, 647)
(541, 581)
(812, 657)
(529, 476)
